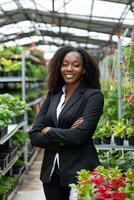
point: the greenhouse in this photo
(66, 100)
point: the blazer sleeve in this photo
(36, 136)
(76, 136)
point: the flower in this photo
(117, 183)
(119, 195)
(104, 192)
(97, 179)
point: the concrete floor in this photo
(31, 187)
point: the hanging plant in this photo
(128, 59)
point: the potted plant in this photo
(108, 132)
(119, 130)
(98, 136)
(5, 118)
(130, 134)
(101, 184)
(128, 60)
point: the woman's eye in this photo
(76, 65)
(64, 64)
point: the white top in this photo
(58, 111)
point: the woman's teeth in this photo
(69, 76)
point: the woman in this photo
(67, 120)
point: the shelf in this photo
(35, 101)
(18, 79)
(12, 162)
(11, 195)
(11, 131)
(110, 146)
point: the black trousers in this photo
(53, 190)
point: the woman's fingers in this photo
(77, 122)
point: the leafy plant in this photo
(104, 184)
(115, 158)
(128, 60)
(6, 184)
(14, 104)
(119, 127)
(5, 116)
(19, 138)
(130, 130)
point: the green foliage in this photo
(7, 65)
(84, 187)
(111, 98)
(130, 130)
(36, 70)
(128, 60)
(20, 138)
(38, 53)
(10, 51)
(112, 173)
(20, 163)
(115, 158)
(14, 104)
(119, 127)
(5, 116)
(6, 183)
(103, 129)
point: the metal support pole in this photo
(119, 78)
(24, 85)
(24, 99)
(120, 73)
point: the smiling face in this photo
(72, 68)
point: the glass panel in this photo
(75, 7)
(4, 1)
(27, 4)
(129, 19)
(108, 9)
(44, 4)
(9, 6)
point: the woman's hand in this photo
(77, 122)
(45, 130)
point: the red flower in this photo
(131, 99)
(119, 195)
(104, 192)
(97, 179)
(117, 183)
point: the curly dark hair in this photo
(91, 78)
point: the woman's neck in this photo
(70, 89)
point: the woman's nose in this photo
(69, 67)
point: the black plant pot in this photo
(4, 159)
(3, 132)
(118, 141)
(107, 140)
(97, 141)
(3, 197)
(11, 151)
(18, 119)
(131, 140)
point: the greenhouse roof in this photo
(93, 24)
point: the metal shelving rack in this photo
(24, 124)
(11, 131)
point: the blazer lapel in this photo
(55, 101)
(75, 96)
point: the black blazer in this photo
(78, 151)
